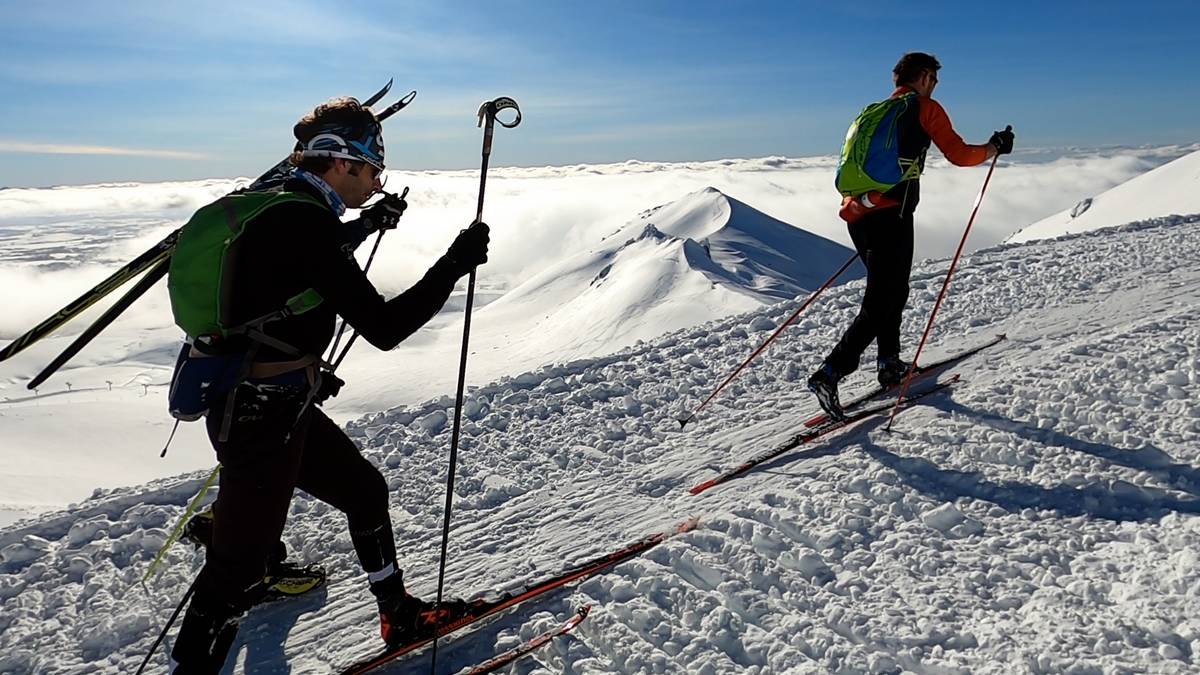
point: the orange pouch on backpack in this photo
(854, 208)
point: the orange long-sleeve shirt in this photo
(936, 123)
(918, 126)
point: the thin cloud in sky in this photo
(18, 147)
(598, 82)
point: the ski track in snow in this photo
(1038, 517)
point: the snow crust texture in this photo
(1038, 517)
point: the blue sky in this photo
(116, 91)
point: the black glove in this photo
(327, 387)
(1003, 140)
(469, 249)
(384, 214)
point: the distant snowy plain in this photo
(1040, 516)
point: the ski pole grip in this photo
(487, 113)
(490, 109)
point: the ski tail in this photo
(487, 609)
(533, 644)
(397, 106)
(813, 434)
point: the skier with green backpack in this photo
(257, 280)
(879, 178)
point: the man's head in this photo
(342, 142)
(918, 71)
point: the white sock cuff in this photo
(380, 575)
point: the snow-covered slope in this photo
(701, 257)
(1173, 188)
(1041, 516)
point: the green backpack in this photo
(200, 277)
(870, 159)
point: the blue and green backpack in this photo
(870, 159)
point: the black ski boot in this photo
(405, 618)
(890, 371)
(824, 383)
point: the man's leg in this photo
(871, 236)
(260, 464)
(334, 471)
(893, 267)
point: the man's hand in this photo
(384, 214)
(470, 247)
(328, 387)
(1003, 141)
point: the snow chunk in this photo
(810, 565)
(30, 548)
(761, 323)
(555, 385)
(943, 518)
(433, 422)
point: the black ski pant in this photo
(273, 448)
(884, 242)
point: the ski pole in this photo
(683, 422)
(942, 294)
(367, 268)
(162, 636)
(487, 120)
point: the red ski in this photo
(488, 608)
(813, 434)
(531, 644)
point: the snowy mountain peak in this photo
(693, 216)
(744, 248)
(700, 257)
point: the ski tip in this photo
(702, 487)
(688, 525)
